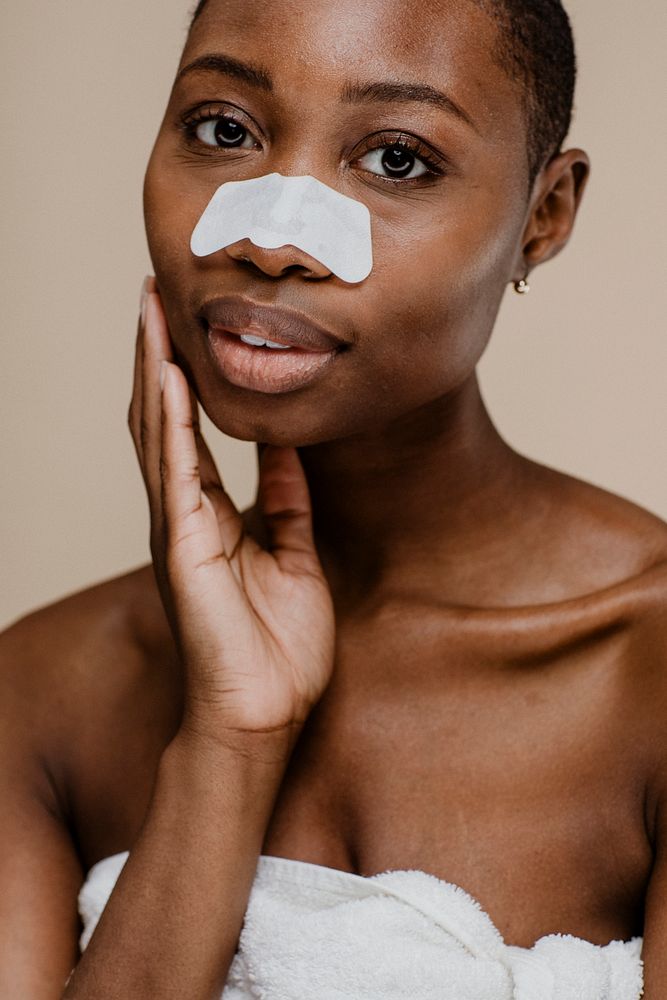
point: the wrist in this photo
(198, 741)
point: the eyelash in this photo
(191, 121)
(435, 163)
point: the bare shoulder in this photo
(621, 547)
(90, 686)
(627, 545)
(640, 535)
(591, 537)
(96, 639)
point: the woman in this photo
(418, 653)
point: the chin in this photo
(297, 418)
(244, 423)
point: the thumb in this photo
(284, 502)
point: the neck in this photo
(395, 510)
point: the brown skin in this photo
(497, 713)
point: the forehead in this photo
(317, 47)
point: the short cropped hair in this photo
(536, 50)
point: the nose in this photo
(277, 262)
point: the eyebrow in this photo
(392, 92)
(382, 92)
(218, 63)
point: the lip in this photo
(238, 315)
(311, 348)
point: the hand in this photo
(254, 626)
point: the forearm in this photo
(172, 923)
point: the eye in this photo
(225, 133)
(393, 161)
(400, 158)
(210, 128)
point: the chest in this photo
(513, 777)
(517, 781)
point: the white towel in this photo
(315, 932)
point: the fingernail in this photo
(147, 287)
(163, 373)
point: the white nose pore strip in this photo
(276, 211)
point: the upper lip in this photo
(238, 315)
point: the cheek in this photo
(169, 219)
(440, 290)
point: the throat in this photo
(400, 508)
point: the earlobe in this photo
(557, 195)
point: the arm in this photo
(173, 920)
(40, 873)
(172, 923)
(254, 630)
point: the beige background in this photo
(575, 375)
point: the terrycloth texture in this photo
(315, 932)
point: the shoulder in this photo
(627, 546)
(595, 539)
(81, 671)
(72, 641)
(620, 548)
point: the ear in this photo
(556, 196)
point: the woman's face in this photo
(329, 90)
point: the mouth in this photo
(265, 348)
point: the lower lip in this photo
(264, 369)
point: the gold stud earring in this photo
(521, 287)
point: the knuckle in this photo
(184, 424)
(171, 471)
(190, 474)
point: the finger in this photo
(149, 286)
(179, 462)
(217, 522)
(196, 562)
(231, 528)
(156, 348)
(134, 412)
(210, 476)
(284, 502)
